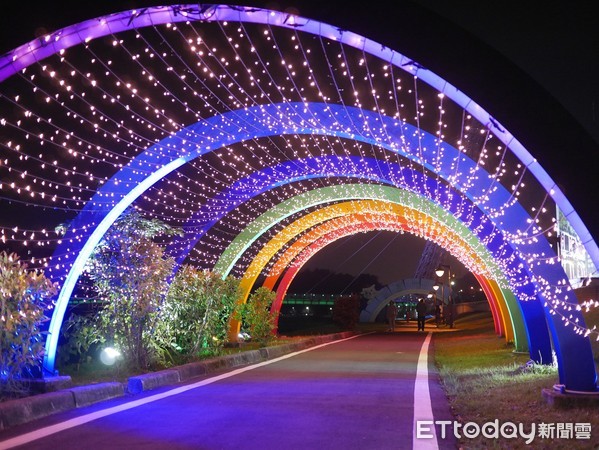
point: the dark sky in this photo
(556, 43)
(534, 65)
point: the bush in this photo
(130, 274)
(194, 318)
(346, 312)
(256, 315)
(23, 294)
(79, 335)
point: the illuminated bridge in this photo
(266, 136)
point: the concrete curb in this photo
(149, 381)
(19, 411)
(566, 400)
(24, 410)
(94, 393)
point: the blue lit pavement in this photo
(363, 392)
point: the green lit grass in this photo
(485, 380)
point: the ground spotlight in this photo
(109, 356)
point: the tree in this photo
(195, 315)
(256, 315)
(130, 273)
(23, 296)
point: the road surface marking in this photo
(423, 409)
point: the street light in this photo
(435, 288)
(437, 309)
(440, 271)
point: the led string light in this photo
(419, 226)
(346, 194)
(356, 67)
(391, 222)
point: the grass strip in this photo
(485, 380)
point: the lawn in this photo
(485, 380)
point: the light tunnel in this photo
(540, 347)
(291, 261)
(497, 304)
(388, 195)
(481, 264)
(143, 126)
(132, 181)
(496, 197)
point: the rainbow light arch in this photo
(128, 184)
(420, 224)
(540, 345)
(387, 194)
(334, 193)
(298, 254)
(498, 298)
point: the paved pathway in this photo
(365, 392)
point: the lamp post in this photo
(437, 315)
(440, 272)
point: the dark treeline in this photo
(323, 281)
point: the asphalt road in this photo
(357, 393)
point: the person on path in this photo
(391, 315)
(421, 311)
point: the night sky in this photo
(533, 65)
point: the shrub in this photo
(346, 312)
(23, 295)
(256, 315)
(79, 335)
(130, 274)
(194, 318)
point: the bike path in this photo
(355, 393)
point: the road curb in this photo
(24, 410)
(564, 400)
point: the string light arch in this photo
(327, 195)
(162, 109)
